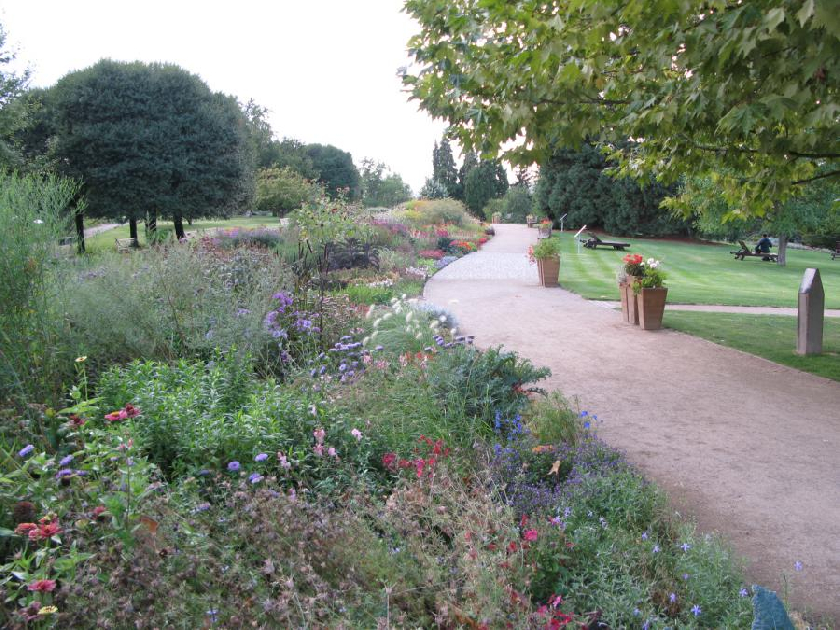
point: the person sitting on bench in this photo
(764, 245)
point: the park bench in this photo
(352, 254)
(126, 244)
(594, 240)
(836, 251)
(746, 251)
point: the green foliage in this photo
(478, 384)
(293, 154)
(336, 170)
(744, 90)
(150, 138)
(183, 302)
(517, 204)
(433, 190)
(552, 421)
(546, 248)
(363, 294)
(381, 190)
(33, 216)
(436, 212)
(576, 182)
(444, 171)
(14, 112)
(482, 183)
(281, 190)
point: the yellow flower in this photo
(48, 610)
(81, 359)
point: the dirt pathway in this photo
(747, 447)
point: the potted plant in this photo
(530, 219)
(544, 229)
(496, 217)
(630, 274)
(650, 294)
(546, 254)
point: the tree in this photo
(468, 164)
(293, 154)
(433, 190)
(483, 183)
(379, 189)
(743, 88)
(14, 113)
(149, 140)
(576, 183)
(281, 190)
(443, 167)
(336, 169)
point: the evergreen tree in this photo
(444, 170)
(469, 163)
(336, 170)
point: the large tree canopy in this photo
(744, 90)
(336, 169)
(151, 138)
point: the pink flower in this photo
(356, 434)
(319, 450)
(530, 535)
(42, 586)
(388, 459)
(319, 434)
(332, 452)
(284, 463)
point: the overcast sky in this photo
(326, 69)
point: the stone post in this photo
(811, 313)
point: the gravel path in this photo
(749, 448)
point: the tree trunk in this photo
(179, 227)
(783, 239)
(151, 225)
(132, 228)
(80, 231)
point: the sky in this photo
(325, 69)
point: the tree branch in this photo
(816, 177)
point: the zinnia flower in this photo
(42, 586)
(47, 610)
(25, 528)
(531, 535)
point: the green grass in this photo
(770, 336)
(699, 273)
(105, 240)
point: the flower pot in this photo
(651, 306)
(549, 269)
(622, 291)
(632, 300)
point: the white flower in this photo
(370, 311)
(453, 331)
(409, 316)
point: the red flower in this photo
(512, 547)
(388, 459)
(634, 259)
(116, 416)
(25, 528)
(50, 529)
(34, 535)
(76, 421)
(531, 535)
(42, 586)
(419, 463)
(131, 411)
(523, 521)
(99, 509)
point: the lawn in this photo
(770, 336)
(699, 273)
(105, 240)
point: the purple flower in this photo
(255, 478)
(64, 472)
(233, 466)
(261, 457)
(66, 461)
(685, 546)
(672, 597)
(201, 507)
(644, 535)
(636, 612)
(203, 472)
(797, 565)
(696, 610)
(743, 592)
(26, 450)
(656, 549)
(377, 348)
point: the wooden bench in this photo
(594, 240)
(836, 251)
(746, 251)
(126, 244)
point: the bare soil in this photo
(746, 447)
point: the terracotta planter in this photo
(651, 306)
(549, 269)
(622, 291)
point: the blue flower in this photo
(636, 612)
(64, 472)
(743, 592)
(586, 424)
(672, 597)
(797, 565)
(644, 535)
(583, 414)
(656, 549)
(261, 457)
(685, 546)
(696, 610)
(66, 461)
(26, 450)
(233, 466)
(255, 478)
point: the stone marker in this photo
(811, 313)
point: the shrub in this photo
(281, 190)
(33, 358)
(364, 294)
